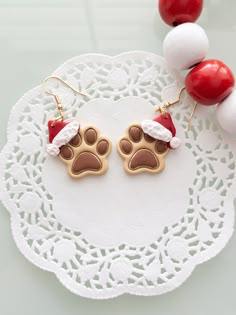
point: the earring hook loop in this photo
(62, 81)
(163, 108)
(56, 97)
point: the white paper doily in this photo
(114, 234)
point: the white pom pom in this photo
(52, 149)
(185, 45)
(156, 130)
(175, 143)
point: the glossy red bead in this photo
(210, 82)
(175, 12)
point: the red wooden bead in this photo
(210, 82)
(175, 12)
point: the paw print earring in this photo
(83, 149)
(145, 145)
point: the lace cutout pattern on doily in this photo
(104, 272)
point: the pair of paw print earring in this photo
(85, 151)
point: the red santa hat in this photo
(162, 128)
(60, 133)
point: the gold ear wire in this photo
(62, 81)
(56, 97)
(163, 108)
(191, 115)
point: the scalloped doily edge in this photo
(60, 275)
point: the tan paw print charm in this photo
(86, 153)
(145, 145)
(83, 150)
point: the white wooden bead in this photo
(185, 45)
(226, 113)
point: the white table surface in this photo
(36, 36)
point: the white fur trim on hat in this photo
(156, 130)
(52, 149)
(63, 137)
(175, 143)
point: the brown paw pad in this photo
(86, 153)
(143, 158)
(142, 153)
(86, 161)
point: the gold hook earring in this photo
(62, 81)
(163, 108)
(82, 149)
(56, 97)
(146, 144)
(191, 115)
